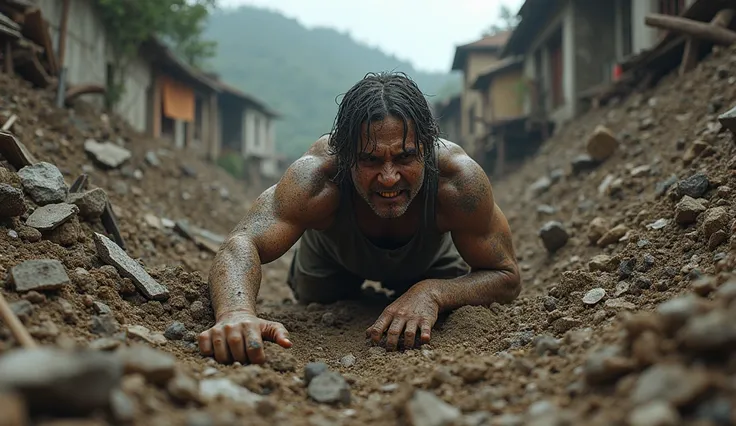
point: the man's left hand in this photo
(415, 309)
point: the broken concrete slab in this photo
(12, 202)
(110, 222)
(91, 203)
(108, 154)
(39, 274)
(728, 120)
(113, 255)
(54, 381)
(44, 183)
(50, 216)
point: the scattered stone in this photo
(626, 268)
(728, 120)
(647, 263)
(35, 297)
(655, 413)
(105, 344)
(213, 389)
(695, 186)
(613, 235)
(601, 144)
(554, 236)
(51, 216)
(676, 312)
(716, 239)
(583, 163)
(12, 202)
(156, 366)
(23, 309)
(108, 154)
(330, 388)
(122, 407)
(44, 183)
(606, 364)
(688, 210)
(57, 382)
(671, 383)
(152, 159)
(40, 274)
(539, 187)
(328, 319)
(564, 324)
(348, 361)
(594, 296)
(101, 308)
(113, 255)
(619, 303)
(597, 228)
(183, 388)
(175, 331)
(713, 331)
(550, 303)
(603, 263)
(658, 224)
(145, 334)
(472, 372)
(91, 203)
(715, 219)
(426, 409)
(314, 369)
(546, 344)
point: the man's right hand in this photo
(239, 336)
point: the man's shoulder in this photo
(464, 189)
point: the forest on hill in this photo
(301, 72)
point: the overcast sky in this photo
(424, 32)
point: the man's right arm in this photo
(300, 200)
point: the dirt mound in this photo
(627, 314)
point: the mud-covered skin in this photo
(306, 198)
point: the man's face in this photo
(388, 177)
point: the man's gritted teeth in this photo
(390, 194)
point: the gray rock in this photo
(713, 331)
(728, 120)
(44, 183)
(91, 203)
(676, 312)
(104, 325)
(59, 382)
(330, 388)
(348, 360)
(183, 388)
(152, 159)
(655, 413)
(51, 216)
(426, 409)
(671, 383)
(39, 274)
(594, 296)
(113, 255)
(101, 308)
(695, 186)
(314, 369)
(12, 202)
(539, 187)
(715, 219)
(156, 366)
(108, 154)
(212, 389)
(145, 334)
(583, 163)
(546, 344)
(554, 236)
(606, 364)
(122, 407)
(175, 331)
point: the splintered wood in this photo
(27, 45)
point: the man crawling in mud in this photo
(380, 198)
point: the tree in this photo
(130, 23)
(508, 20)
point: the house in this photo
(447, 113)
(474, 59)
(571, 46)
(247, 129)
(163, 96)
(506, 135)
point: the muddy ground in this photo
(628, 321)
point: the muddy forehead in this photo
(389, 133)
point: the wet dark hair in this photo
(374, 98)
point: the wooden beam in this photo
(61, 49)
(692, 46)
(692, 28)
(82, 89)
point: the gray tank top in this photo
(345, 244)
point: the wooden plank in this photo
(15, 151)
(692, 46)
(9, 123)
(37, 30)
(692, 28)
(6, 21)
(61, 49)
(31, 68)
(82, 89)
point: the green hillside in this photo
(300, 72)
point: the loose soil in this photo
(486, 361)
